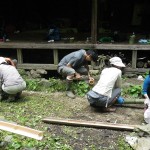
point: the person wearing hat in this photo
(74, 65)
(108, 89)
(11, 82)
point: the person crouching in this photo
(108, 89)
(11, 82)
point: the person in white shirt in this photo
(108, 89)
(11, 82)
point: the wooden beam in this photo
(31, 45)
(55, 56)
(19, 56)
(94, 21)
(94, 124)
(37, 66)
(63, 46)
(22, 130)
(134, 58)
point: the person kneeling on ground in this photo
(75, 64)
(11, 82)
(108, 89)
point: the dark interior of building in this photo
(73, 18)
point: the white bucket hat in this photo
(116, 61)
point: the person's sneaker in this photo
(11, 98)
(70, 94)
(18, 95)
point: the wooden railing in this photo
(56, 47)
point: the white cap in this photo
(2, 60)
(116, 61)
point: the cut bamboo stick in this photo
(134, 101)
(22, 130)
(130, 106)
(94, 124)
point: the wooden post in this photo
(94, 21)
(19, 56)
(55, 55)
(134, 58)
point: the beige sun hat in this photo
(116, 61)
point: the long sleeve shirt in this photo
(110, 78)
(146, 85)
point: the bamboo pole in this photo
(134, 101)
(22, 130)
(94, 124)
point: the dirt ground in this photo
(89, 138)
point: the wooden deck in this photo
(57, 47)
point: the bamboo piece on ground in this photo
(22, 130)
(134, 101)
(130, 106)
(89, 124)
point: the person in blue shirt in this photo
(146, 89)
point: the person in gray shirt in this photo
(74, 65)
(11, 82)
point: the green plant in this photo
(81, 88)
(32, 84)
(122, 145)
(133, 90)
(56, 85)
(146, 73)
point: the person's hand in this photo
(78, 76)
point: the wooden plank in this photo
(94, 124)
(22, 130)
(136, 70)
(121, 47)
(31, 45)
(61, 46)
(37, 66)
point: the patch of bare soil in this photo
(85, 137)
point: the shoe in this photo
(18, 95)
(110, 109)
(3, 96)
(70, 94)
(11, 98)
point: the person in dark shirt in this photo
(74, 65)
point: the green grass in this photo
(32, 108)
(29, 112)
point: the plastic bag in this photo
(120, 100)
